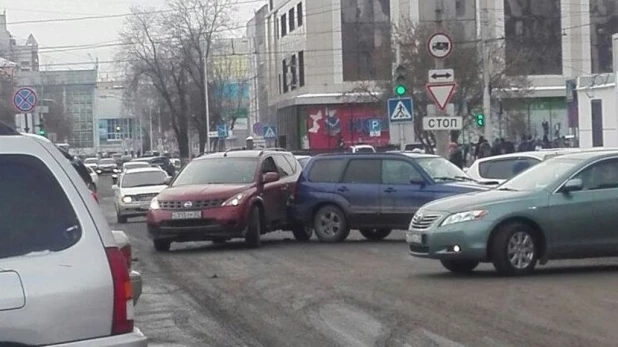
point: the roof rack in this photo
(7, 130)
(235, 149)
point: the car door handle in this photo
(343, 189)
(390, 190)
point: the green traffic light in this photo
(480, 120)
(400, 90)
(42, 132)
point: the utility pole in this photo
(442, 136)
(486, 68)
(151, 134)
(206, 102)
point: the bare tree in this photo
(466, 61)
(196, 25)
(151, 54)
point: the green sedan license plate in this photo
(412, 237)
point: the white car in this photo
(64, 279)
(500, 168)
(362, 149)
(135, 189)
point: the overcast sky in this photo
(57, 35)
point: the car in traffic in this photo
(161, 161)
(564, 207)
(64, 279)
(94, 176)
(303, 159)
(374, 193)
(130, 165)
(92, 163)
(107, 166)
(135, 189)
(362, 149)
(222, 196)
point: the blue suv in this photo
(374, 193)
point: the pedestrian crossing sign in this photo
(400, 110)
(270, 132)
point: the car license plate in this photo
(187, 215)
(414, 237)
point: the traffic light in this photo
(480, 119)
(42, 130)
(400, 81)
(118, 128)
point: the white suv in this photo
(64, 281)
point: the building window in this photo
(291, 19)
(299, 13)
(284, 25)
(533, 37)
(366, 40)
(301, 68)
(285, 76)
(280, 84)
(603, 23)
(293, 82)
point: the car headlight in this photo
(464, 217)
(127, 199)
(234, 201)
(154, 204)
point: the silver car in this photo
(64, 280)
(135, 189)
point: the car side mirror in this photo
(167, 181)
(114, 187)
(418, 182)
(270, 177)
(573, 185)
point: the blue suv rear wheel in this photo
(330, 224)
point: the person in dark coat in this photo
(456, 155)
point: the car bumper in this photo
(441, 242)
(133, 339)
(133, 209)
(215, 224)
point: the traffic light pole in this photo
(400, 128)
(488, 130)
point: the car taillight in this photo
(96, 198)
(122, 319)
(126, 251)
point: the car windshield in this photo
(135, 165)
(107, 161)
(540, 176)
(143, 179)
(441, 169)
(218, 171)
(91, 161)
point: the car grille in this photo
(195, 205)
(419, 248)
(423, 222)
(189, 223)
(145, 197)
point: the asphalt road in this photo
(359, 293)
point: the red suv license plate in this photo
(187, 215)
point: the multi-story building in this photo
(117, 128)
(75, 91)
(25, 54)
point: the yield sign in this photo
(441, 93)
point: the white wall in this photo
(608, 94)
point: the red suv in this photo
(222, 196)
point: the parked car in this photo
(564, 207)
(374, 193)
(49, 220)
(135, 190)
(222, 196)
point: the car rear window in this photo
(506, 168)
(326, 170)
(37, 215)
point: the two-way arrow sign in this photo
(441, 76)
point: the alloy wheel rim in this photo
(330, 223)
(520, 250)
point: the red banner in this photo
(327, 126)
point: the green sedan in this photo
(562, 208)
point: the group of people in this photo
(462, 155)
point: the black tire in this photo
(121, 219)
(514, 249)
(254, 228)
(460, 266)
(302, 233)
(335, 231)
(162, 245)
(375, 234)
